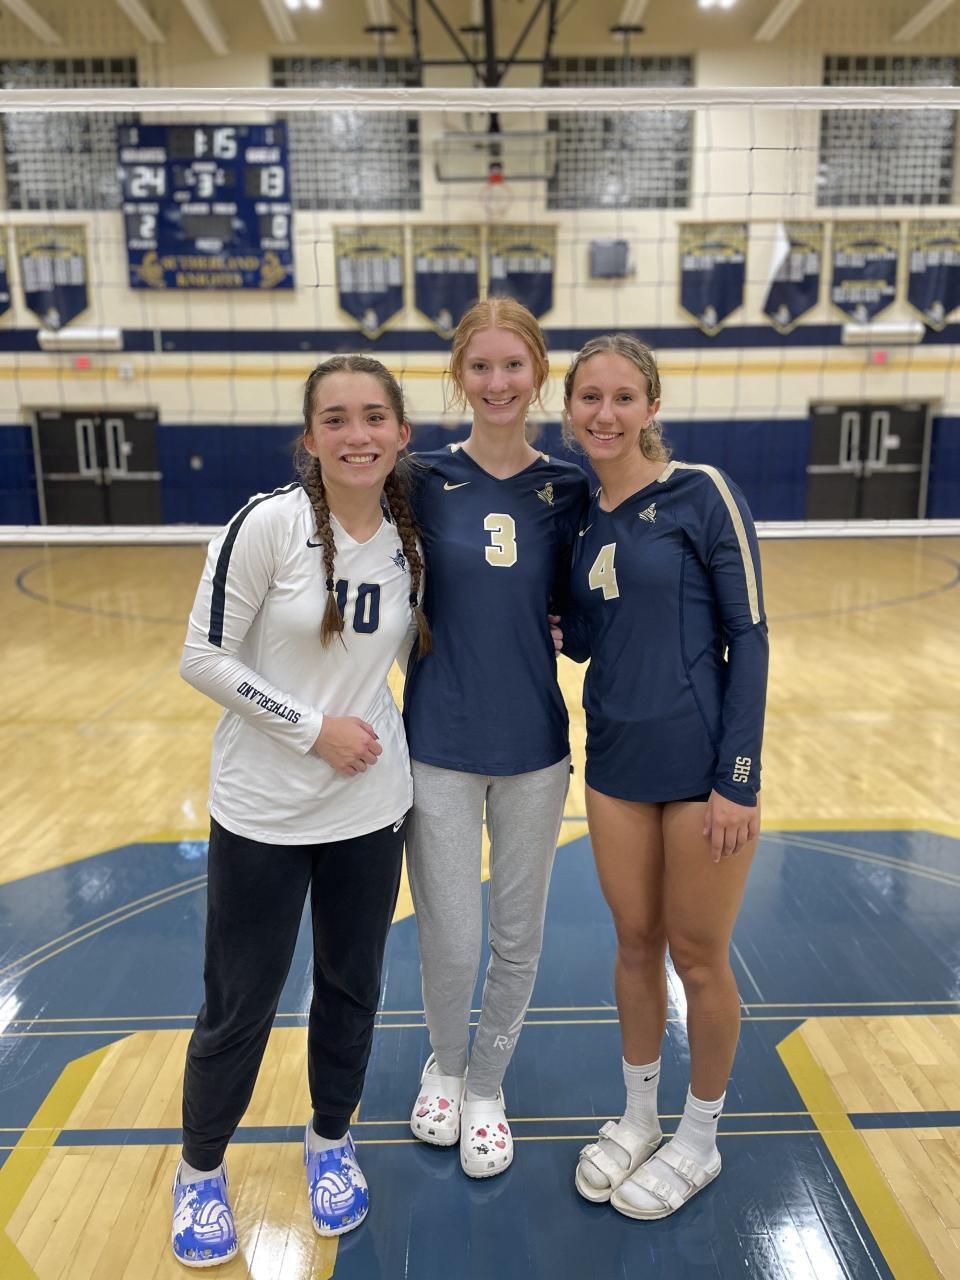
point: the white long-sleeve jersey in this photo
(253, 645)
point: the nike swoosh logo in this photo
(586, 530)
(653, 1077)
(399, 823)
(314, 544)
(449, 486)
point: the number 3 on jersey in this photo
(503, 539)
(603, 576)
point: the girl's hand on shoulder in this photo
(729, 826)
(555, 632)
(348, 744)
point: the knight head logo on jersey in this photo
(649, 513)
(400, 560)
(546, 494)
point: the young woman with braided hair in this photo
(308, 596)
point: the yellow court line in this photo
(22, 1165)
(899, 1243)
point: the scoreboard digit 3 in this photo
(207, 206)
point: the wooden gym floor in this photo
(841, 1139)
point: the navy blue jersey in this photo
(667, 604)
(486, 698)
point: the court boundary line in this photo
(896, 1237)
(22, 1165)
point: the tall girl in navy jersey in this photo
(487, 725)
(308, 596)
(668, 607)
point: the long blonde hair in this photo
(498, 313)
(652, 444)
(311, 477)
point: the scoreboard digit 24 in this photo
(207, 206)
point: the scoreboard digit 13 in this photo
(207, 206)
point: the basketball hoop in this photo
(495, 195)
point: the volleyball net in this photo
(176, 260)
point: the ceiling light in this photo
(314, 4)
(292, 4)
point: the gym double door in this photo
(97, 467)
(868, 462)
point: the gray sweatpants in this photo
(444, 842)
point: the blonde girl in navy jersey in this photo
(668, 607)
(308, 596)
(487, 725)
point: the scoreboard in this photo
(207, 206)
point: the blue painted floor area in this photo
(832, 922)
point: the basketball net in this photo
(495, 195)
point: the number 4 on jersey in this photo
(603, 576)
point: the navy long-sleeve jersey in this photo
(486, 699)
(667, 604)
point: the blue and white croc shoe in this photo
(339, 1198)
(204, 1233)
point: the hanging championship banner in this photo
(933, 284)
(369, 275)
(713, 264)
(795, 270)
(865, 258)
(4, 278)
(53, 271)
(446, 273)
(521, 263)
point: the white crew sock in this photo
(640, 1114)
(696, 1138)
(316, 1143)
(697, 1131)
(642, 1084)
(188, 1174)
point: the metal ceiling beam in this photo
(774, 23)
(415, 34)
(922, 19)
(550, 37)
(461, 47)
(491, 75)
(281, 24)
(514, 52)
(208, 24)
(142, 19)
(40, 27)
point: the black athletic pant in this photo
(255, 896)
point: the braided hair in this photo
(311, 477)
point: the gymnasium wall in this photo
(224, 370)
